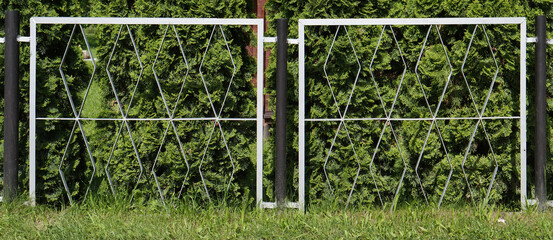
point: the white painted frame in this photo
(143, 21)
(302, 23)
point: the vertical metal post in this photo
(301, 114)
(281, 93)
(541, 138)
(11, 88)
(260, 100)
(523, 102)
(32, 114)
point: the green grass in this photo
(105, 220)
(90, 32)
(94, 101)
(93, 106)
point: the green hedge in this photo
(397, 154)
(50, 51)
(217, 68)
(175, 177)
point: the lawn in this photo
(103, 220)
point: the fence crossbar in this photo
(144, 21)
(412, 21)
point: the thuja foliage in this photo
(134, 155)
(337, 59)
(52, 42)
(369, 159)
(181, 58)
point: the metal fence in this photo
(387, 119)
(124, 119)
(387, 122)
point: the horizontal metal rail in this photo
(411, 21)
(407, 119)
(144, 21)
(145, 119)
(274, 40)
(19, 39)
(534, 40)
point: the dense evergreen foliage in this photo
(216, 54)
(337, 60)
(131, 55)
(53, 138)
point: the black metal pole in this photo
(11, 88)
(281, 92)
(541, 138)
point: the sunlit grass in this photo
(100, 219)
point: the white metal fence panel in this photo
(124, 120)
(388, 120)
